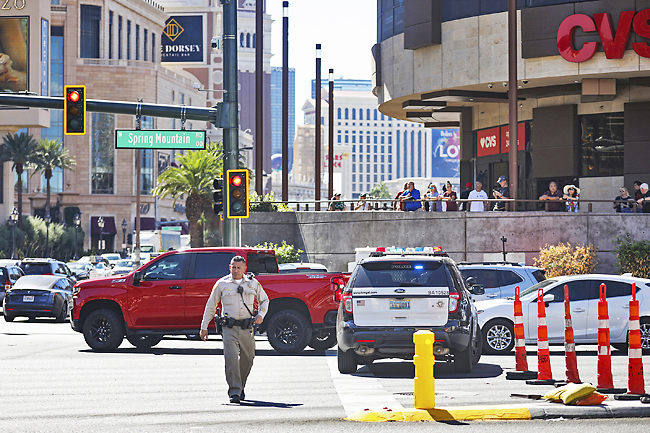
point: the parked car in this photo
(46, 267)
(8, 276)
(80, 270)
(123, 267)
(112, 258)
(390, 297)
(499, 279)
(39, 296)
(293, 268)
(101, 270)
(496, 317)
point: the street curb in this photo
(503, 412)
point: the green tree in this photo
(193, 177)
(284, 253)
(380, 190)
(632, 256)
(51, 155)
(21, 150)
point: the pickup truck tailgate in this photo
(400, 306)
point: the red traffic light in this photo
(73, 96)
(235, 180)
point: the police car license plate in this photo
(28, 298)
(400, 304)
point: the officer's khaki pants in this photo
(238, 351)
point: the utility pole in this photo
(317, 147)
(259, 96)
(330, 153)
(231, 227)
(285, 101)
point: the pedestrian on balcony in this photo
(336, 203)
(637, 194)
(411, 198)
(503, 192)
(477, 195)
(464, 195)
(554, 196)
(623, 203)
(362, 204)
(645, 198)
(432, 197)
(398, 204)
(571, 195)
(450, 197)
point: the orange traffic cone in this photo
(635, 384)
(521, 363)
(544, 375)
(605, 381)
(569, 342)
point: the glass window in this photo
(89, 31)
(137, 41)
(102, 153)
(119, 37)
(485, 277)
(360, 113)
(601, 145)
(354, 114)
(167, 268)
(261, 263)
(346, 114)
(110, 34)
(509, 277)
(539, 275)
(616, 288)
(578, 291)
(339, 112)
(128, 39)
(144, 46)
(383, 274)
(153, 47)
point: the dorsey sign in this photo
(614, 42)
(182, 40)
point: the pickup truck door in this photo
(205, 269)
(158, 302)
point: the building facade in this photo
(276, 111)
(582, 85)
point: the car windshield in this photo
(77, 266)
(112, 256)
(540, 285)
(401, 274)
(124, 263)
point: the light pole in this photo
(77, 222)
(503, 241)
(100, 224)
(124, 225)
(48, 220)
(13, 220)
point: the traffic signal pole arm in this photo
(217, 115)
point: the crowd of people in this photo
(409, 199)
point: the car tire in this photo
(463, 360)
(323, 339)
(63, 314)
(347, 361)
(289, 331)
(498, 337)
(9, 318)
(144, 341)
(477, 346)
(645, 336)
(104, 330)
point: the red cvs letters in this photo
(614, 43)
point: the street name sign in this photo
(159, 139)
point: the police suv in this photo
(392, 295)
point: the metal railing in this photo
(516, 205)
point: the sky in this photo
(346, 30)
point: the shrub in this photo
(564, 259)
(264, 203)
(285, 253)
(632, 256)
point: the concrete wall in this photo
(331, 237)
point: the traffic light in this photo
(74, 112)
(237, 198)
(218, 195)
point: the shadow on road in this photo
(259, 403)
(405, 369)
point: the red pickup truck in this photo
(167, 296)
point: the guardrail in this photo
(394, 205)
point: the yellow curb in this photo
(440, 414)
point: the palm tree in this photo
(21, 150)
(51, 155)
(193, 177)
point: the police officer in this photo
(237, 293)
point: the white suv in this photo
(499, 279)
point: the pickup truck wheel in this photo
(104, 330)
(347, 361)
(144, 341)
(498, 337)
(63, 314)
(463, 360)
(323, 339)
(289, 331)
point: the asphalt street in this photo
(51, 381)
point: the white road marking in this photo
(358, 393)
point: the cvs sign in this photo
(614, 43)
(487, 142)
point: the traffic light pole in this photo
(231, 227)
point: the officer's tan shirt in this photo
(225, 290)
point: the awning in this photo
(109, 226)
(146, 223)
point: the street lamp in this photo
(13, 220)
(124, 225)
(503, 241)
(100, 224)
(77, 222)
(48, 220)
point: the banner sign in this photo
(521, 137)
(183, 40)
(159, 139)
(487, 142)
(446, 153)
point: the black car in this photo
(389, 298)
(46, 267)
(39, 296)
(80, 270)
(8, 277)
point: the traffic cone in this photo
(521, 363)
(635, 384)
(544, 375)
(605, 381)
(569, 342)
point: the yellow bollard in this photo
(424, 360)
